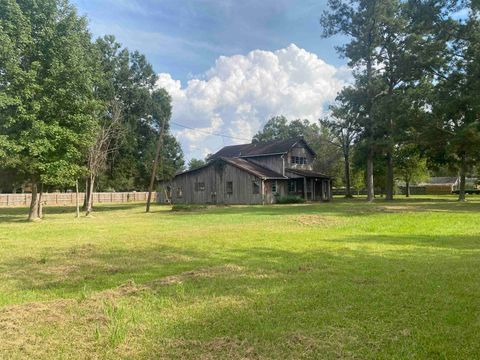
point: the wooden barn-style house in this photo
(256, 173)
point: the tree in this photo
(103, 146)
(161, 113)
(130, 80)
(195, 163)
(48, 79)
(410, 165)
(359, 20)
(279, 127)
(343, 125)
(453, 126)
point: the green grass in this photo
(339, 280)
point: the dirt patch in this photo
(82, 250)
(217, 348)
(318, 220)
(394, 208)
(200, 273)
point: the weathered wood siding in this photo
(215, 178)
(301, 151)
(274, 162)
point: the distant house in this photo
(440, 185)
(255, 173)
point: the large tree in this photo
(452, 131)
(47, 82)
(359, 20)
(343, 125)
(130, 81)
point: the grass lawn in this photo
(340, 280)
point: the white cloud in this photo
(240, 93)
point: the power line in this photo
(208, 133)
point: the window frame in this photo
(229, 187)
(275, 186)
(199, 186)
(179, 192)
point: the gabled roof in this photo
(254, 169)
(243, 164)
(260, 148)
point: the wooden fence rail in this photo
(65, 199)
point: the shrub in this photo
(290, 199)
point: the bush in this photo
(188, 207)
(290, 199)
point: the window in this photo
(180, 192)
(274, 187)
(199, 186)
(298, 160)
(229, 187)
(255, 187)
(292, 186)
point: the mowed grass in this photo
(335, 280)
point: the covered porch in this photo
(310, 185)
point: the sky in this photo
(229, 65)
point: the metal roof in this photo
(260, 148)
(244, 164)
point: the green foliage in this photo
(411, 166)
(47, 80)
(195, 163)
(130, 80)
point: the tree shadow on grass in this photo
(346, 301)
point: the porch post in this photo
(313, 189)
(305, 188)
(330, 192)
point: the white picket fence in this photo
(65, 199)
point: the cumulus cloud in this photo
(240, 93)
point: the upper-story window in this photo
(298, 160)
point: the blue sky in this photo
(184, 37)
(229, 65)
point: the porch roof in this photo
(308, 173)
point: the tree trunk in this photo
(390, 177)
(370, 184)
(348, 191)
(154, 168)
(40, 205)
(91, 183)
(33, 212)
(407, 189)
(77, 200)
(85, 198)
(463, 171)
